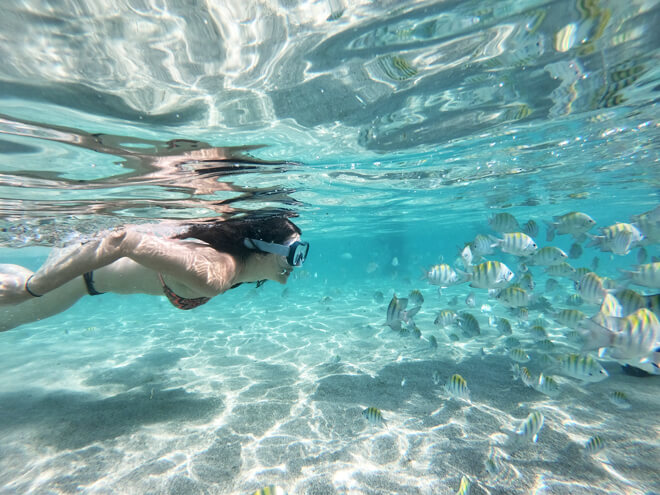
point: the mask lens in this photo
(297, 258)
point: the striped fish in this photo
(504, 223)
(582, 367)
(515, 243)
(561, 269)
(570, 318)
(519, 355)
(270, 490)
(490, 275)
(468, 324)
(513, 297)
(574, 223)
(591, 289)
(529, 429)
(647, 275)
(619, 399)
(649, 224)
(594, 445)
(457, 387)
(574, 300)
(374, 416)
(445, 318)
(633, 337)
(442, 275)
(546, 256)
(481, 246)
(531, 228)
(396, 313)
(617, 238)
(547, 385)
(522, 373)
(504, 326)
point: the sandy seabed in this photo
(267, 387)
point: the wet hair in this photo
(227, 236)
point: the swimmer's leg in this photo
(38, 308)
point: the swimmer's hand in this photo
(12, 284)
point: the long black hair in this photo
(228, 236)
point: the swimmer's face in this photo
(276, 267)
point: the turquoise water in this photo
(394, 131)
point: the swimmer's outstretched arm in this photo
(197, 265)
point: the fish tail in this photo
(551, 230)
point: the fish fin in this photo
(595, 335)
(411, 313)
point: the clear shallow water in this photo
(393, 130)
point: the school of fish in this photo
(578, 318)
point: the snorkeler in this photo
(189, 267)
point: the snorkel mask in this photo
(295, 253)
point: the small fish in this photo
(538, 332)
(649, 224)
(513, 297)
(523, 314)
(619, 399)
(562, 269)
(453, 301)
(468, 324)
(396, 313)
(395, 261)
(435, 377)
(433, 342)
(470, 300)
(590, 287)
(464, 487)
(575, 252)
(481, 246)
(570, 318)
(373, 415)
(467, 256)
(504, 223)
(530, 427)
(633, 338)
(594, 263)
(490, 275)
(270, 490)
(442, 275)
(504, 326)
(522, 373)
(647, 275)
(415, 298)
(378, 296)
(531, 228)
(515, 243)
(546, 345)
(547, 385)
(574, 300)
(574, 223)
(546, 256)
(457, 387)
(519, 355)
(582, 367)
(594, 445)
(617, 238)
(445, 318)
